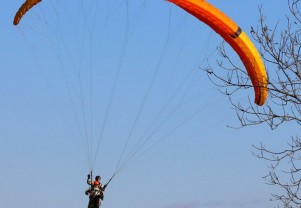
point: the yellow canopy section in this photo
(236, 38)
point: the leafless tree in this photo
(280, 48)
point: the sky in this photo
(84, 83)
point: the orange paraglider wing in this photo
(27, 5)
(236, 38)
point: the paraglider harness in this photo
(93, 191)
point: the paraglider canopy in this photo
(26, 6)
(236, 38)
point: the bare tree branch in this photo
(280, 48)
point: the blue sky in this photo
(120, 73)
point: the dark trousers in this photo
(94, 203)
